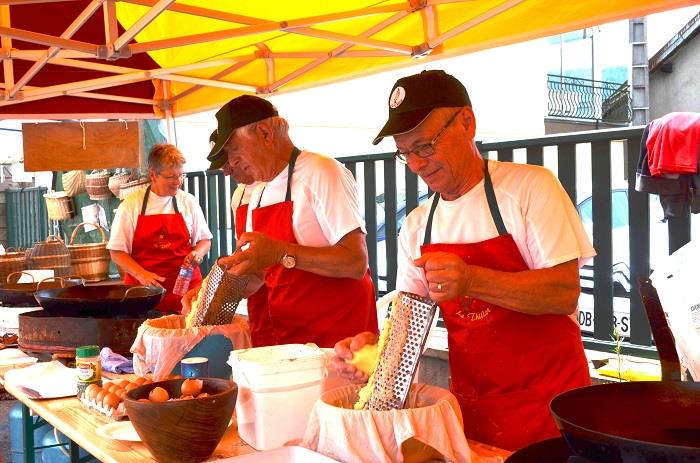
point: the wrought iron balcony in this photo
(586, 99)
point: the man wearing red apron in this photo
(308, 236)
(152, 234)
(499, 248)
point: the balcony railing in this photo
(586, 99)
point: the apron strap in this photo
(290, 171)
(145, 201)
(240, 200)
(490, 199)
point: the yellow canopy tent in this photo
(204, 52)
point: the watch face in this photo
(289, 261)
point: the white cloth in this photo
(122, 233)
(431, 416)
(536, 211)
(45, 380)
(324, 193)
(162, 342)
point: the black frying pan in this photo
(100, 300)
(22, 294)
(632, 422)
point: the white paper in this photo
(675, 280)
(94, 213)
(48, 379)
(34, 276)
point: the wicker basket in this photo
(51, 254)
(73, 182)
(97, 185)
(59, 205)
(12, 261)
(134, 185)
(90, 260)
(120, 177)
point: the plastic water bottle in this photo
(183, 281)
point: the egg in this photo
(110, 401)
(122, 382)
(119, 392)
(191, 387)
(139, 381)
(130, 386)
(202, 395)
(158, 394)
(100, 396)
(91, 391)
(108, 387)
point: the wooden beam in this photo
(141, 24)
(49, 40)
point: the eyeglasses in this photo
(428, 149)
(178, 177)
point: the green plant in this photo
(618, 337)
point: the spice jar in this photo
(89, 367)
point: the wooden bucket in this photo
(90, 260)
(12, 261)
(51, 254)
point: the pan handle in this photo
(62, 280)
(126, 293)
(20, 272)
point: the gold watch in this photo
(288, 259)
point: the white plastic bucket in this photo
(277, 388)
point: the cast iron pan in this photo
(632, 422)
(22, 294)
(99, 300)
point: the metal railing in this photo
(587, 99)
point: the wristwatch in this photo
(288, 259)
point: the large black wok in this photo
(634, 422)
(99, 300)
(22, 294)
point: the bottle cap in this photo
(87, 351)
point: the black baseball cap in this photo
(237, 113)
(413, 98)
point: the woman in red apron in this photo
(506, 366)
(162, 243)
(305, 307)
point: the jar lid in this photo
(87, 351)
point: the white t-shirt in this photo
(324, 193)
(122, 233)
(536, 211)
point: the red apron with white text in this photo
(258, 318)
(506, 366)
(160, 244)
(305, 307)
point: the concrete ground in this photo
(6, 401)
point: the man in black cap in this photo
(499, 247)
(307, 235)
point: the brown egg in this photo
(139, 381)
(110, 401)
(143, 400)
(89, 391)
(108, 387)
(119, 392)
(191, 387)
(100, 396)
(122, 382)
(202, 395)
(185, 397)
(158, 394)
(130, 386)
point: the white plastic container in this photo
(277, 388)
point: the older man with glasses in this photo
(160, 228)
(499, 247)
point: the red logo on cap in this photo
(397, 97)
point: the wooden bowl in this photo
(182, 430)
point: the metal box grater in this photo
(411, 319)
(219, 298)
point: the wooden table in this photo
(79, 424)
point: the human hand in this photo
(447, 275)
(188, 299)
(257, 252)
(147, 278)
(345, 350)
(192, 259)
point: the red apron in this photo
(258, 317)
(160, 244)
(506, 366)
(305, 307)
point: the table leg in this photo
(28, 431)
(74, 452)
